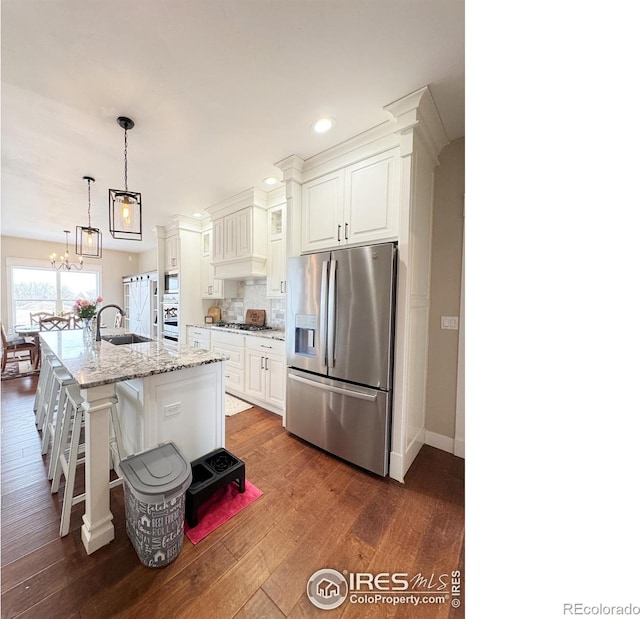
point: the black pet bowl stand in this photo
(210, 473)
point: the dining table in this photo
(32, 331)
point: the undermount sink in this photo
(127, 338)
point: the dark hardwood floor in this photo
(316, 512)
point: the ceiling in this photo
(219, 90)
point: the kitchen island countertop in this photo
(164, 392)
(99, 363)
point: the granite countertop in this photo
(272, 334)
(99, 363)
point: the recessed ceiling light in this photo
(197, 215)
(323, 124)
(270, 180)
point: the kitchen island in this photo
(165, 393)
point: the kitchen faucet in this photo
(104, 307)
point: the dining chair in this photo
(35, 317)
(13, 345)
(72, 319)
(54, 323)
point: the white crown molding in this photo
(160, 232)
(416, 115)
(249, 197)
(183, 222)
(277, 196)
(291, 167)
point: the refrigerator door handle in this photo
(323, 313)
(331, 311)
(369, 397)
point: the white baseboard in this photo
(439, 441)
(399, 463)
(395, 467)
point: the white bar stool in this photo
(45, 368)
(60, 378)
(66, 460)
(48, 364)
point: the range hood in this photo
(240, 236)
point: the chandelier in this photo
(62, 262)
(89, 239)
(125, 207)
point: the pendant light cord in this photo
(126, 188)
(89, 194)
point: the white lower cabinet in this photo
(199, 338)
(255, 369)
(265, 365)
(231, 345)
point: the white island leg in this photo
(97, 528)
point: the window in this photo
(36, 288)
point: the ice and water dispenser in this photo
(306, 337)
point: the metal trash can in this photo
(155, 484)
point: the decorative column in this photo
(421, 139)
(97, 527)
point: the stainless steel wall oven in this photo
(170, 318)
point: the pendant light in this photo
(89, 239)
(62, 262)
(125, 207)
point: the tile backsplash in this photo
(252, 294)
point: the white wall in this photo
(148, 260)
(446, 272)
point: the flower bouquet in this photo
(85, 309)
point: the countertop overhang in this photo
(93, 364)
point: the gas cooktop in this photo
(243, 326)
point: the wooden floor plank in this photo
(316, 511)
(288, 582)
(242, 581)
(145, 594)
(259, 605)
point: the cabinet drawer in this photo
(197, 332)
(198, 342)
(266, 345)
(230, 339)
(235, 354)
(233, 379)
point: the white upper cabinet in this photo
(172, 252)
(322, 211)
(277, 252)
(353, 205)
(372, 199)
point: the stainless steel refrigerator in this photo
(340, 330)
